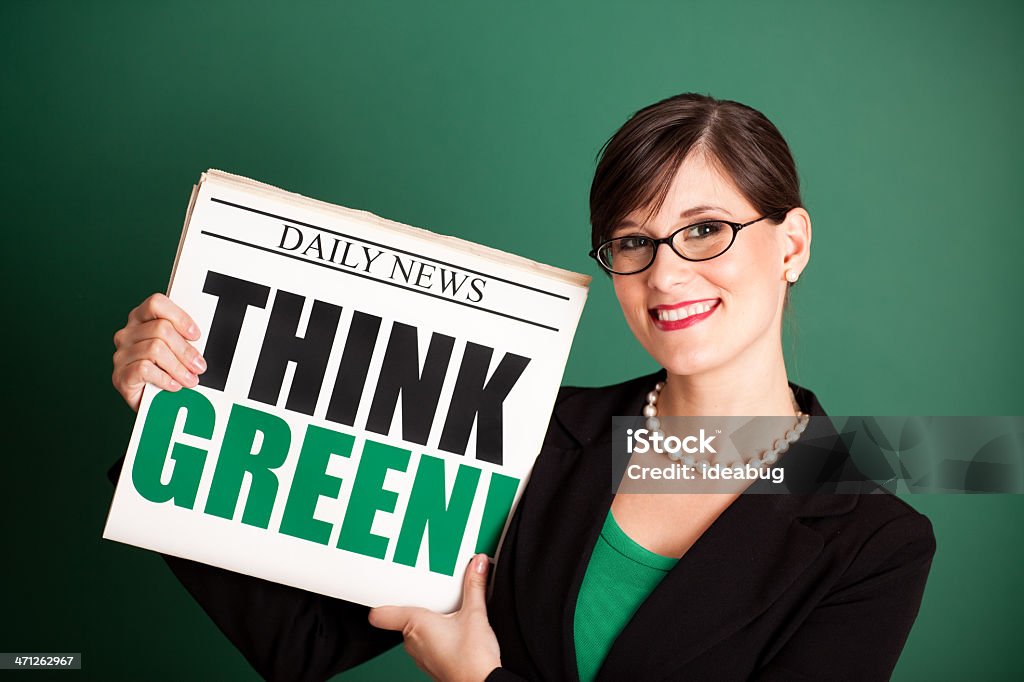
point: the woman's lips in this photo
(683, 315)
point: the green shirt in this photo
(619, 577)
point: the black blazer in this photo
(780, 587)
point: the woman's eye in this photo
(633, 243)
(705, 230)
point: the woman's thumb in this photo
(474, 585)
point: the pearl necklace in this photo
(768, 456)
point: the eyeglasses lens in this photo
(698, 242)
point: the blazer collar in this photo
(759, 542)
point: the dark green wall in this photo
(481, 119)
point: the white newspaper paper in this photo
(375, 399)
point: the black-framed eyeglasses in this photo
(698, 242)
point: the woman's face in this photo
(743, 290)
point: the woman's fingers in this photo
(158, 353)
(158, 307)
(141, 372)
(130, 379)
(165, 331)
(153, 348)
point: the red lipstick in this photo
(672, 325)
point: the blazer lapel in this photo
(562, 511)
(549, 577)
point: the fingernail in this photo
(192, 378)
(481, 563)
(174, 385)
(199, 363)
(193, 330)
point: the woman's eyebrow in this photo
(696, 210)
(703, 209)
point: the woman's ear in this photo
(795, 232)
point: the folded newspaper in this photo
(375, 398)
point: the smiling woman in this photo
(682, 173)
(594, 585)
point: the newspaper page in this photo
(376, 395)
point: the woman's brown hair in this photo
(636, 166)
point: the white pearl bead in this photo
(792, 435)
(653, 423)
(770, 457)
(781, 446)
(650, 411)
(689, 460)
(756, 462)
(658, 386)
(652, 397)
(675, 455)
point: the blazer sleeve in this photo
(858, 630)
(285, 633)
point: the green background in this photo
(482, 119)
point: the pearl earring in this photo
(792, 276)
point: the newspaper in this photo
(375, 398)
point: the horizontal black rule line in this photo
(346, 271)
(385, 246)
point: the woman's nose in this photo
(668, 271)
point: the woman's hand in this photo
(454, 647)
(153, 347)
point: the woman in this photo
(697, 216)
